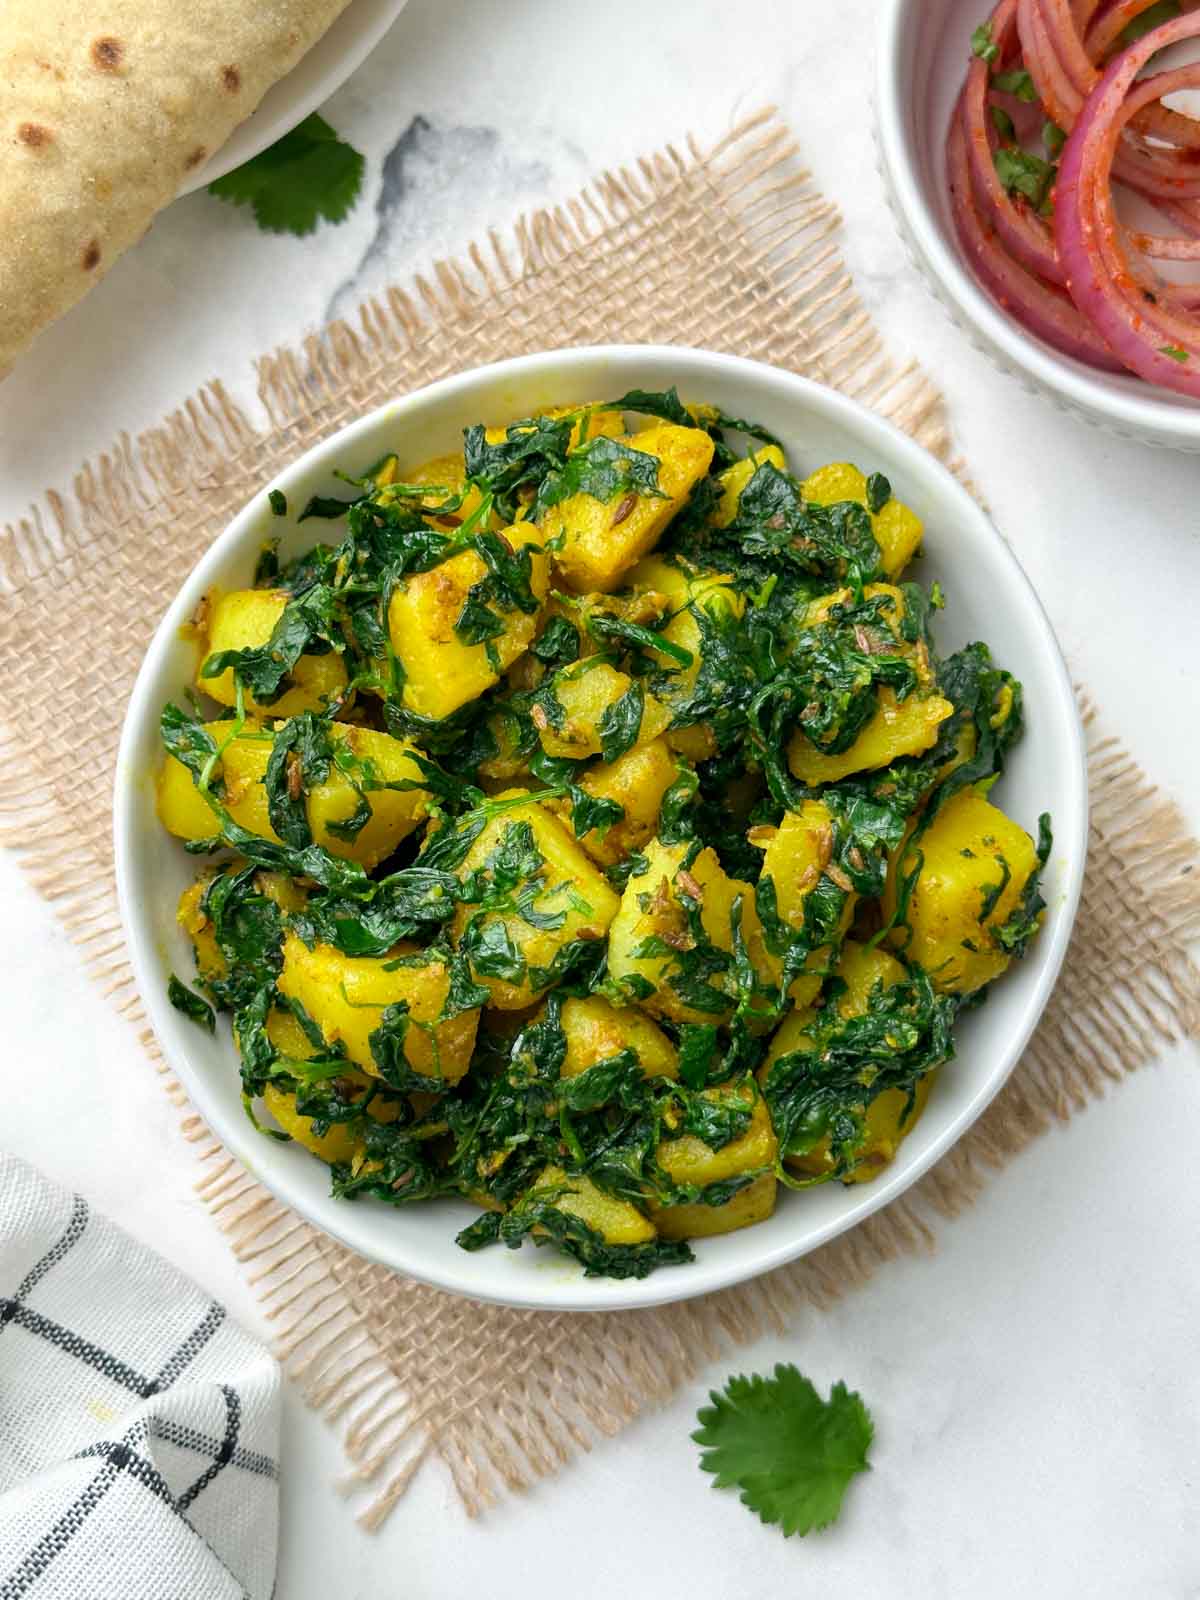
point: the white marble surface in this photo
(1034, 1384)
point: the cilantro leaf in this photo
(1025, 174)
(307, 175)
(790, 1453)
(983, 45)
(1017, 83)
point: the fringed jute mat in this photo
(731, 249)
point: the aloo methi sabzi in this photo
(594, 830)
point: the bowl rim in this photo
(236, 1133)
(1147, 415)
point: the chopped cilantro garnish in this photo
(1025, 174)
(983, 45)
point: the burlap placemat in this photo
(734, 250)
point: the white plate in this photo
(989, 598)
(924, 49)
(344, 47)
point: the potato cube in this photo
(289, 1038)
(795, 855)
(687, 587)
(602, 540)
(442, 671)
(899, 728)
(585, 691)
(395, 813)
(898, 531)
(688, 1160)
(653, 914)
(184, 812)
(591, 425)
(754, 1203)
(346, 997)
(735, 478)
(247, 617)
(210, 963)
(596, 1031)
(568, 891)
(338, 1146)
(341, 1145)
(976, 864)
(615, 1220)
(861, 967)
(447, 474)
(637, 782)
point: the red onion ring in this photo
(1045, 311)
(1064, 74)
(1109, 23)
(1152, 291)
(1120, 316)
(1140, 327)
(1023, 234)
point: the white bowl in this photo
(924, 49)
(340, 51)
(988, 596)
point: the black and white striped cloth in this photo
(138, 1425)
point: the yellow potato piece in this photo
(735, 478)
(447, 474)
(795, 856)
(341, 1145)
(441, 671)
(247, 617)
(601, 540)
(965, 848)
(596, 1030)
(651, 908)
(617, 1221)
(636, 781)
(210, 963)
(585, 691)
(685, 586)
(346, 997)
(284, 891)
(898, 531)
(898, 728)
(591, 425)
(289, 1038)
(395, 813)
(571, 884)
(688, 1160)
(338, 1147)
(754, 1203)
(861, 967)
(183, 810)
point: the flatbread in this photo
(105, 106)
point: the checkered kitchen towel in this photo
(138, 1425)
